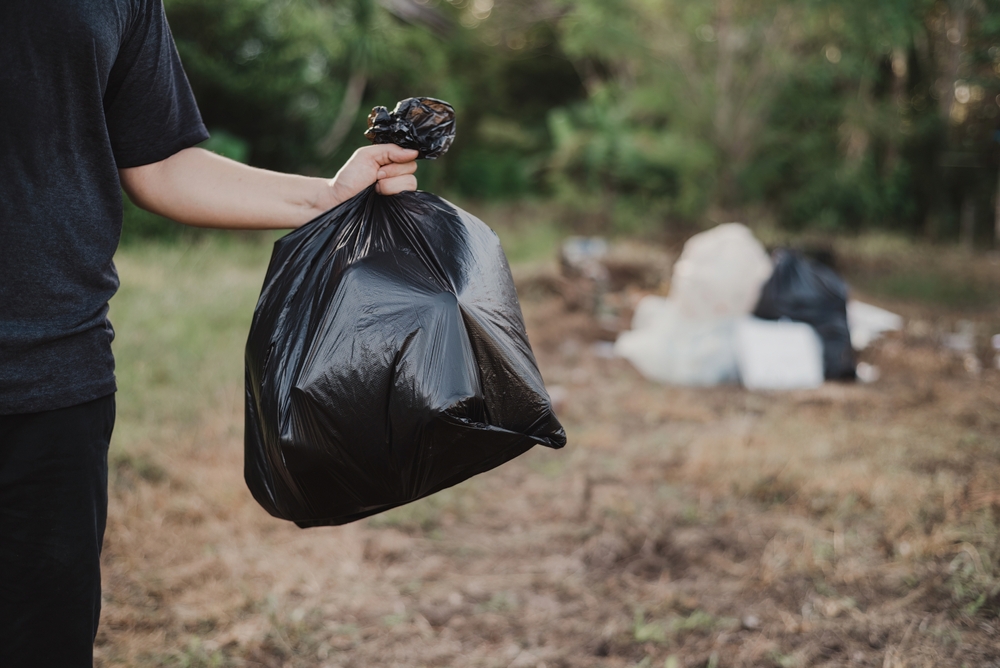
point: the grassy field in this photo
(854, 525)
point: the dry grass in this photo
(848, 526)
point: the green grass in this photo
(181, 319)
(933, 286)
(530, 242)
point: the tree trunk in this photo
(996, 219)
(955, 31)
(899, 72)
(345, 118)
(723, 120)
(967, 223)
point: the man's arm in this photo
(197, 187)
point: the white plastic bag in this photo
(668, 347)
(720, 273)
(868, 323)
(690, 337)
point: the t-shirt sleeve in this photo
(148, 104)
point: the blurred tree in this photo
(841, 114)
(881, 123)
(289, 76)
(362, 51)
(679, 94)
(296, 79)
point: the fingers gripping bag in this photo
(387, 359)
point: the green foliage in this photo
(670, 630)
(599, 148)
(835, 115)
(268, 71)
(274, 74)
(228, 145)
(838, 115)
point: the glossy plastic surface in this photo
(421, 123)
(809, 292)
(387, 360)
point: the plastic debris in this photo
(581, 260)
(805, 291)
(868, 373)
(963, 339)
(668, 346)
(583, 256)
(867, 323)
(719, 273)
(778, 355)
(689, 337)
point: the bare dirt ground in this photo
(853, 525)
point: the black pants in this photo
(53, 508)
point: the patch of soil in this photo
(853, 525)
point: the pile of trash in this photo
(736, 314)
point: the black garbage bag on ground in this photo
(809, 292)
(387, 360)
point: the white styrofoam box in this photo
(778, 355)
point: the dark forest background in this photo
(631, 115)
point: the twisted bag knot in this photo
(421, 123)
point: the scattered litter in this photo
(867, 323)
(868, 373)
(780, 355)
(583, 254)
(919, 329)
(963, 340)
(809, 292)
(582, 258)
(688, 338)
(972, 364)
(751, 622)
(604, 349)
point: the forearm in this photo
(197, 187)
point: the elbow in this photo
(136, 182)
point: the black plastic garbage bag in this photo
(806, 291)
(421, 123)
(387, 360)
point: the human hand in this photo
(388, 166)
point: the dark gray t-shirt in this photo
(85, 88)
